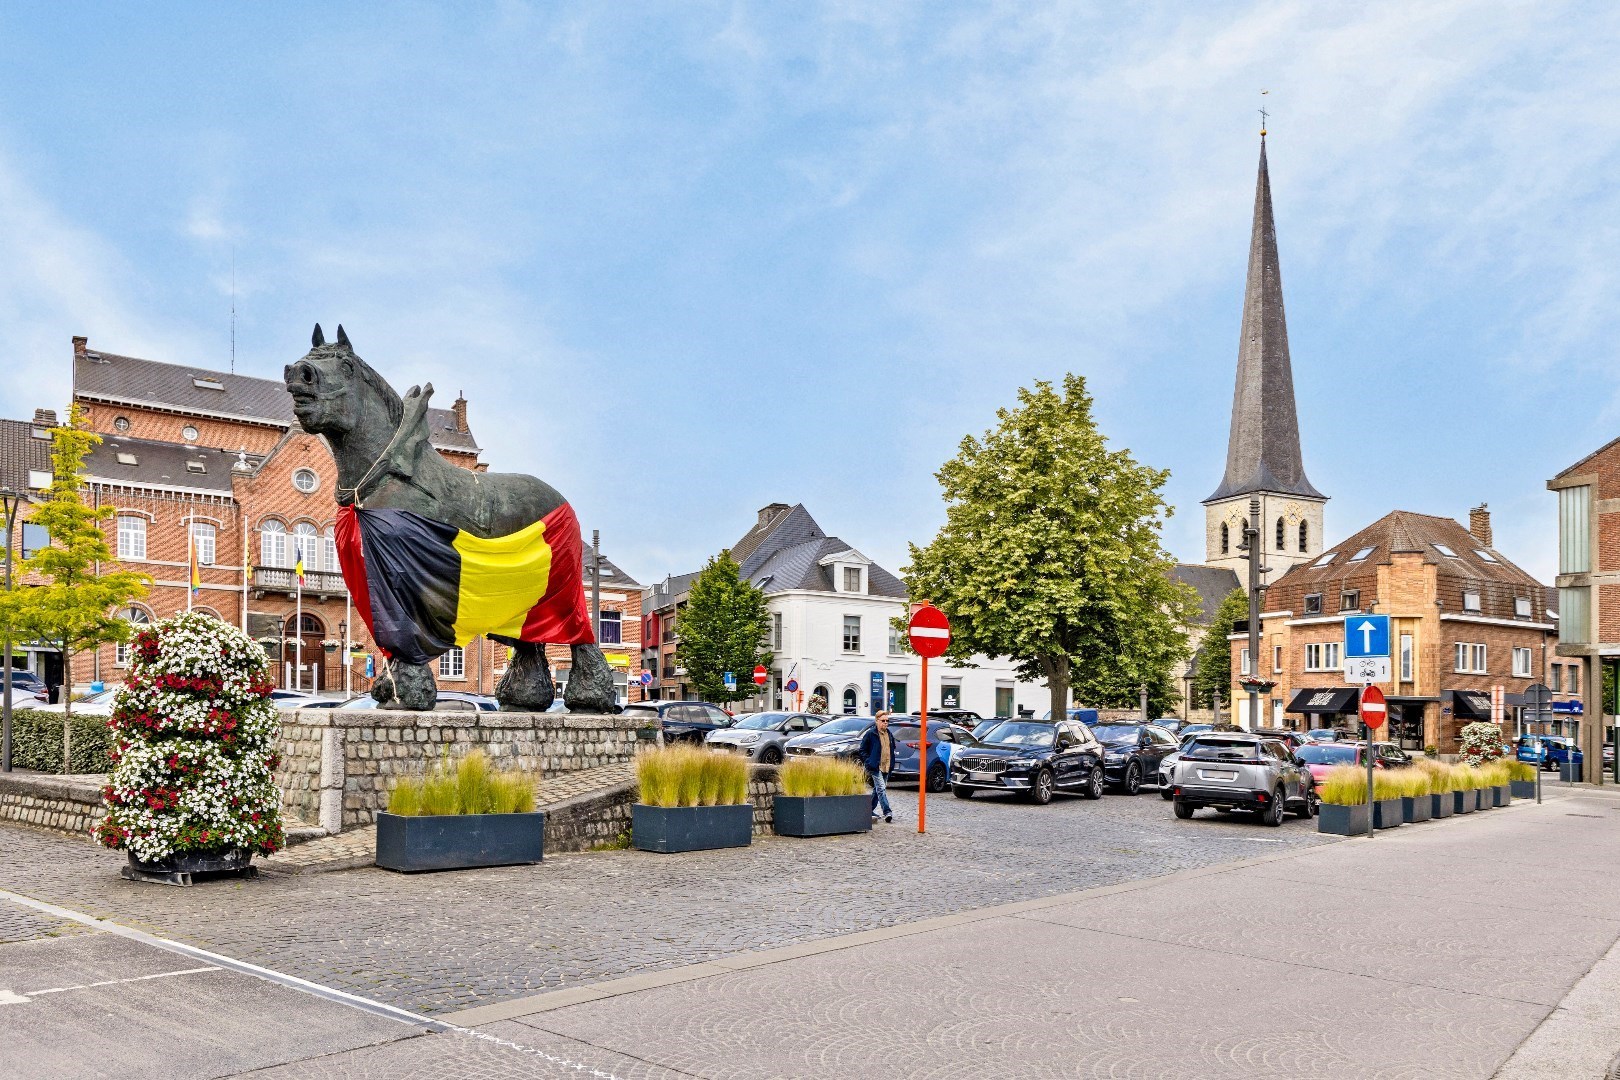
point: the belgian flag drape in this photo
(422, 586)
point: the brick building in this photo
(1469, 632)
(1589, 582)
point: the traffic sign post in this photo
(1366, 635)
(1373, 712)
(730, 680)
(929, 634)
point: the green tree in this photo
(1214, 673)
(1050, 554)
(723, 628)
(74, 611)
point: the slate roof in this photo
(160, 464)
(109, 377)
(666, 592)
(612, 575)
(1262, 452)
(784, 549)
(1213, 583)
(20, 454)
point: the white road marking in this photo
(116, 982)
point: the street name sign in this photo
(929, 632)
(1366, 635)
(1373, 708)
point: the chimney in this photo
(45, 418)
(80, 345)
(1479, 523)
(766, 513)
(460, 409)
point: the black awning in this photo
(1336, 699)
(1471, 705)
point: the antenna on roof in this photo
(233, 310)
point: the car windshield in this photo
(1327, 754)
(1114, 734)
(762, 721)
(1018, 734)
(1220, 749)
(844, 725)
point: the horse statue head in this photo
(335, 393)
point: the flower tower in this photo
(1481, 743)
(193, 783)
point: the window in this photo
(305, 544)
(1361, 555)
(131, 537)
(1470, 599)
(896, 641)
(1470, 658)
(1521, 607)
(136, 618)
(202, 542)
(1406, 658)
(127, 459)
(1243, 662)
(453, 664)
(305, 480)
(39, 479)
(1521, 663)
(1350, 600)
(273, 544)
(1574, 678)
(1282, 528)
(852, 579)
(1574, 531)
(1483, 554)
(1313, 604)
(1304, 537)
(1574, 615)
(849, 701)
(329, 557)
(1004, 701)
(776, 631)
(1322, 656)
(1447, 552)
(852, 633)
(34, 537)
(207, 384)
(1226, 539)
(1325, 559)
(1276, 659)
(612, 628)
(1555, 678)
(121, 424)
(188, 433)
(196, 466)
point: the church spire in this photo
(1262, 453)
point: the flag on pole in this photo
(196, 569)
(298, 568)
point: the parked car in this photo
(682, 721)
(966, 718)
(943, 740)
(1321, 757)
(22, 677)
(1084, 716)
(1331, 734)
(98, 704)
(1294, 739)
(1132, 753)
(1230, 771)
(761, 736)
(1548, 751)
(448, 701)
(1033, 758)
(840, 736)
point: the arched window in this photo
(306, 542)
(850, 699)
(1304, 537)
(1281, 543)
(273, 543)
(137, 618)
(1226, 539)
(309, 624)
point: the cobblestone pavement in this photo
(443, 942)
(20, 924)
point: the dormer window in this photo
(208, 384)
(127, 459)
(852, 579)
(196, 467)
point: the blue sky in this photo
(688, 259)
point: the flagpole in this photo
(191, 562)
(348, 631)
(298, 634)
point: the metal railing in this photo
(284, 579)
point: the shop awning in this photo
(1340, 699)
(1470, 704)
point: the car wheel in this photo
(1273, 815)
(1183, 810)
(1133, 779)
(1040, 789)
(936, 779)
(1094, 787)
(961, 791)
(770, 756)
(1307, 805)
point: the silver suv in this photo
(1238, 771)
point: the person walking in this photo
(877, 755)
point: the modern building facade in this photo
(1589, 584)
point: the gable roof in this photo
(20, 454)
(1406, 532)
(1580, 466)
(783, 550)
(130, 380)
(612, 576)
(159, 465)
(1213, 584)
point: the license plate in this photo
(980, 774)
(1225, 776)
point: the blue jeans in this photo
(880, 792)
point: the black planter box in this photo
(1523, 789)
(1386, 813)
(1463, 802)
(822, 815)
(1504, 794)
(1342, 820)
(1441, 805)
(1414, 808)
(459, 841)
(1570, 771)
(691, 828)
(1486, 797)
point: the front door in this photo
(897, 697)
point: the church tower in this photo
(1263, 458)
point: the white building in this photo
(833, 613)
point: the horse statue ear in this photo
(343, 339)
(317, 339)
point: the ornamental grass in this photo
(1497, 773)
(1442, 777)
(1402, 784)
(813, 777)
(691, 776)
(1521, 770)
(472, 786)
(1344, 785)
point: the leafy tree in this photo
(75, 610)
(1214, 674)
(722, 628)
(1050, 555)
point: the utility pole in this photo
(596, 584)
(12, 501)
(1252, 549)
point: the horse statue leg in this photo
(408, 686)
(527, 685)
(590, 682)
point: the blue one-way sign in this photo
(1366, 635)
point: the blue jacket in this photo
(871, 752)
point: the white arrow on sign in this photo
(1366, 636)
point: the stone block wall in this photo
(52, 802)
(603, 817)
(337, 765)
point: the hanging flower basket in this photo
(1257, 686)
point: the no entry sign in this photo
(1373, 708)
(759, 675)
(929, 632)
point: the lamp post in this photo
(11, 501)
(348, 664)
(1252, 551)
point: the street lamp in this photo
(11, 501)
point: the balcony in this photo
(319, 584)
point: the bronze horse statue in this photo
(386, 464)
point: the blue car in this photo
(944, 739)
(1549, 751)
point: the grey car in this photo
(761, 736)
(1236, 771)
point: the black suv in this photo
(682, 721)
(1032, 757)
(1132, 752)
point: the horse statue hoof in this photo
(414, 689)
(382, 688)
(527, 685)
(590, 682)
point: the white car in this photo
(98, 704)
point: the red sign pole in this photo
(930, 635)
(922, 779)
(1373, 711)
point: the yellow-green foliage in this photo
(1497, 773)
(1521, 770)
(471, 787)
(815, 776)
(691, 776)
(1401, 784)
(1344, 785)
(1442, 777)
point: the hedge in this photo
(36, 742)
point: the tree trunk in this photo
(1056, 669)
(67, 710)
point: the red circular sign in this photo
(1373, 709)
(759, 675)
(929, 632)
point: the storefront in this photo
(1328, 707)
(1407, 721)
